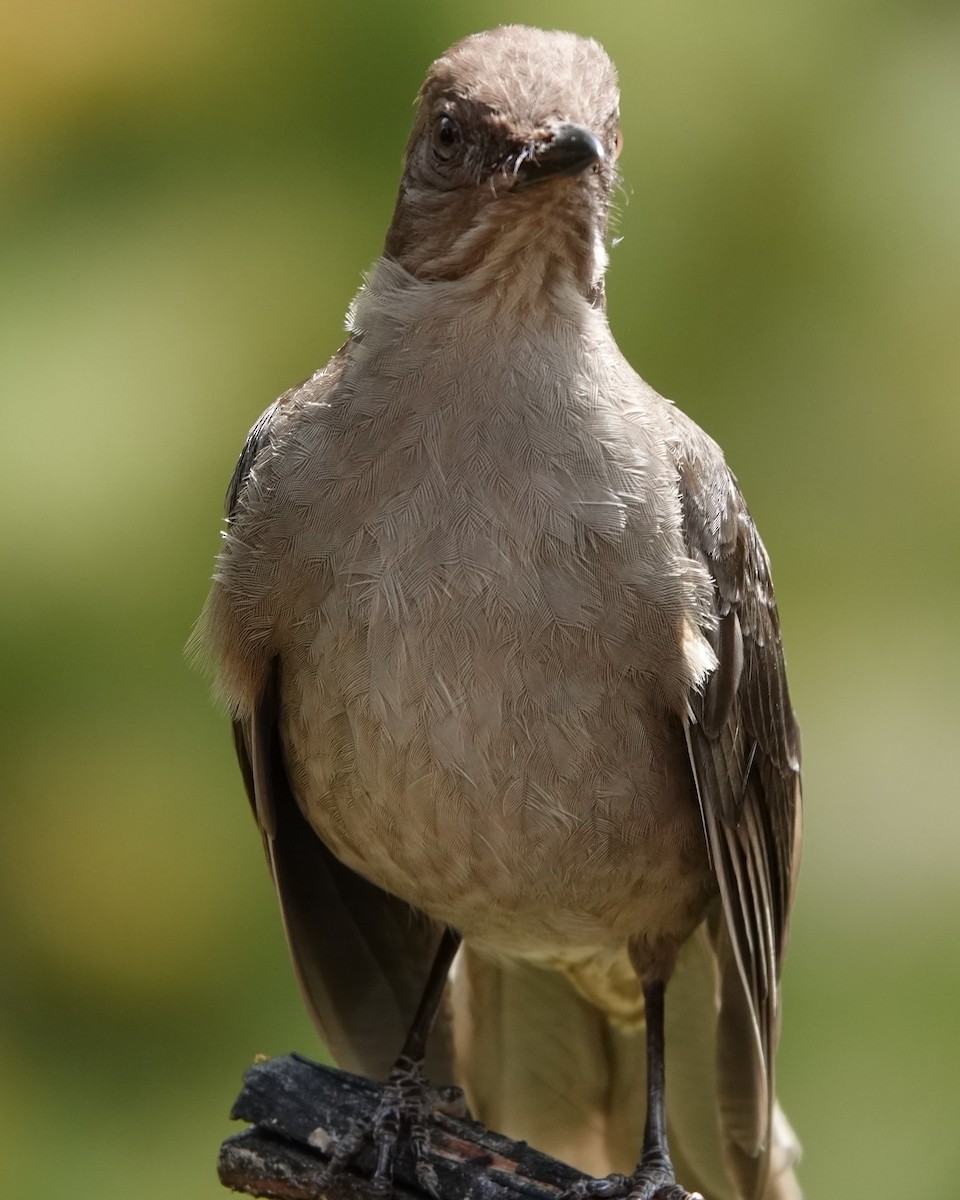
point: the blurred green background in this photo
(190, 190)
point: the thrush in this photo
(500, 641)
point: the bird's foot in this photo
(400, 1120)
(653, 1180)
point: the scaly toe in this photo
(611, 1187)
(400, 1121)
(650, 1182)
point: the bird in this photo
(501, 648)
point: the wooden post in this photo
(297, 1109)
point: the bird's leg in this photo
(408, 1099)
(654, 1177)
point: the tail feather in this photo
(531, 1055)
(539, 1061)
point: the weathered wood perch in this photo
(297, 1108)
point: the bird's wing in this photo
(744, 750)
(362, 956)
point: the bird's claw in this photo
(597, 1189)
(344, 1150)
(401, 1118)
(427, 1178)
(651, 1181)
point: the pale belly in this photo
(534, 795)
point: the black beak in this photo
(571, 151)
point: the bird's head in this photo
(510, 164)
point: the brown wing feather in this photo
(744, 749)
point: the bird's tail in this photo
(541, 1062)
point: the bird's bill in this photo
(571, 151)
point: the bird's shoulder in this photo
(260, 455)
(721, 535)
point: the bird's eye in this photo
(446, 137)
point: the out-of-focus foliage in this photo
(188, 195)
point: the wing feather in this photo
(744, 750)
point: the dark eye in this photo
(446, 136)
